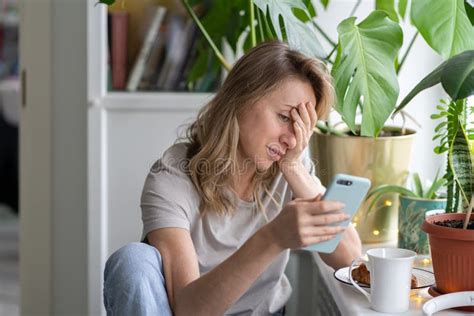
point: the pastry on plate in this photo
(362, 275)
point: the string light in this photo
(387, 203)
(376, 232)
(426, 261)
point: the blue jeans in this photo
(134, 282)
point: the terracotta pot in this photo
(452, 252)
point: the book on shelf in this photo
(189, 61)
(155, 61)
(166, 53)
(179, 36)
(150, 44)
(118, 52)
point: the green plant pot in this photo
(410, 218)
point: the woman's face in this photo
(266, 127)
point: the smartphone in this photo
(349, 190)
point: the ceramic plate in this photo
(424, 278)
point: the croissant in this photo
(362, 275)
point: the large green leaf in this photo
(456, 75)
(300, 36)
(364, 69)
(444, 25)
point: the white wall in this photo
(136, 139)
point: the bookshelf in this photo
(100, 96)
(155, 46)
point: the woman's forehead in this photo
(292, 92)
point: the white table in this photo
(351, 302)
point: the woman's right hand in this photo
(304, 222)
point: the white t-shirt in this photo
(169, 199)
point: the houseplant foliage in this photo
(380, 32)
(413, 205)
(367, 80)
(456, 75)
(451, 247)
(417, 191)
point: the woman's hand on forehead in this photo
(304, 119)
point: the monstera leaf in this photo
(444, 25)
(300, 36)
(364, 70)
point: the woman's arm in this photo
(214, 292)
(299, 224)
(303, 185)
(349, 248)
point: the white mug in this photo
(390, 278)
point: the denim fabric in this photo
(134, 283)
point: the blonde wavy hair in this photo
(214, 136)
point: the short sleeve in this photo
(166, 199)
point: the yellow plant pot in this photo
(384, 160)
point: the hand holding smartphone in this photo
(349, 190)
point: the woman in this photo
(222, 209)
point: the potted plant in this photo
(451, 235)
(382, 156)
(414, 204)
(365, 76)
